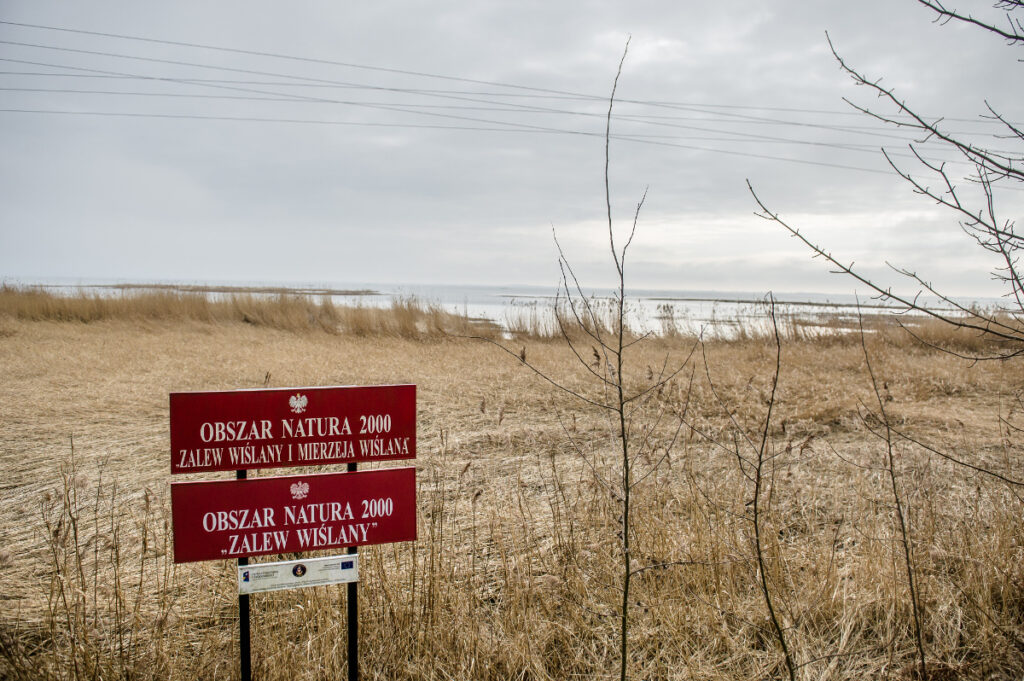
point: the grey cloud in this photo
(205, 199)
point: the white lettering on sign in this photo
(381, 447)
(257, 542)
(306, 514)
(332, 535)
(238, 519)
(312, 451)
(191, 458)
(231, 431)
(267, 455)
(374, 424)
(328, 426)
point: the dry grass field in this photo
(516, 572)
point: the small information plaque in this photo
(298, 574)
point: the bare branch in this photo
(636, 217)
(541, 374)
(586, 459)
(1003, 166)
(607, 158)
(775, 376)
(1013, 34)
(564, 266)
(959, 462)
(661, 382)
(675, 435)
(1015, 132)
(987, 325)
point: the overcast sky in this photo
(442, 142)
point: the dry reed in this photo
(299, 313)
(513, 573)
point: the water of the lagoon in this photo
(713, 312)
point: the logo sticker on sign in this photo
(298, 574)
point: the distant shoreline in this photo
(754, 301)
(496, 302)
(803, 303)
(323, 291)
(215, 288)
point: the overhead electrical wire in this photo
(310, 60)
(175, 62)
(293, 80)
(762, 139)
(588, 98)
(512, 125)
(329, 82)
(406, 72)
(856, 129)
(678, 106)
(873, 131)
(538, 129)
(378, 88)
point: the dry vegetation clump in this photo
(275, 309)
(515, 573)
(38, 304)
(960, 340)
(559, 320)
(409, 318)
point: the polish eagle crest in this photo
(299, 490)
(298, 402)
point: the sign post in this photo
(352, 601)
(247, 429)
(244, 638)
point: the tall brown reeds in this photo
(298, 313)
(517, 572)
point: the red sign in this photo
(243, 429)
(259, 516)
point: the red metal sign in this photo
(244, 429)
(259, 516)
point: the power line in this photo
(309, 60)
(507, 124)
(874, 131)
(535, 129)
(304, 98)
(627, 138)
(596, 116)
(504, 106)
(423, 74)
(735, 137)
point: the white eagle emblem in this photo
(298, 402)
(300, 490)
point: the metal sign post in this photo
(353, 617)
(244, 646)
